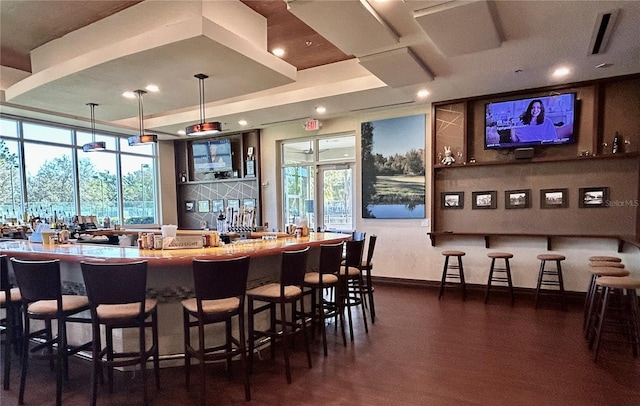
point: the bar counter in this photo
(169, 278)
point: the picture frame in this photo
(204, 206)
(249, 203)
(452, 200)
(217, 205)
(554, 198)
(517, 199)
(190, 206)
(234, 204)
(484, 200)
(593, 197)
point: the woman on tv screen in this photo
(533, 125)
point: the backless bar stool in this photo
(457, 274)
(604, 258)
(504, 273)
(629, 316)
(592, 292)
(550, 277)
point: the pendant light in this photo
(203, 128)
(142, 138)
(94, 145)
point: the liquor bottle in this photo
(616, 144)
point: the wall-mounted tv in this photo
(527, 122)
(212, 155)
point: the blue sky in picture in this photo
(398, 135)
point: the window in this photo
(317, 182)
(50, 176)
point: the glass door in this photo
(335, 208)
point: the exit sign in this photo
(312, 125)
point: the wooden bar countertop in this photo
(76, 252)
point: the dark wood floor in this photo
(421, 351)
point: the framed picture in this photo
(249, 204)
(190, 206)
(203, 206)
(517, 199)
(593, 197)
(217, 205)
(484, 200)
(452, 200)
(554, 198)
(234, 204)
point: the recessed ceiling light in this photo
(561, 72)
(320, 110)
(242, 122)
(423, 93)
(279, 52)
(129, 94)
(152, 88)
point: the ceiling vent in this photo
(602, 32)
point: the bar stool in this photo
(42, 299)
(365, 271)
(592, 292)
(506, 270)
(555, 274)
(11, 325)
(117, 300)
(350, 286)
(326, 278)
(287, 291)
(220, 287)
(629, 313)
(457, 274)
(606, 264)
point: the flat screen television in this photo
(532, 121)
(212, 156)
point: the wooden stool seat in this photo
(628, 313)
(457, 274)
(601, 264)
(454, 253)
(604, 258)
(505, 271)
(609, 271)
(550, 277)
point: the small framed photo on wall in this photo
(452, 200)
(234, 204)
(517, 199)
(554, 198)
(249, 204)
(593, 197)
(203, 206)
(484, 200)
(217, 205)
(190, 206)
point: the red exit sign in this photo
(312, 125)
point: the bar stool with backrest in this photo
(628, 312)
(350, 285)
(287, 291)
(220, 287)
(365, 271)
(326, 277)
(593, 296)
(11, 325)
(504, 273)
(453, 271)
(117, 300)
(550, 277)
(42, 299)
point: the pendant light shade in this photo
(94, 145)
(142, 138)
(203, 128)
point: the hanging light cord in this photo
(93, 120)
(140, 110)
(201, 77)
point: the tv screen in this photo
(543, 120)
(212, 156)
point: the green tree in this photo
(369, 171)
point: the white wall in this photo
(404, 250)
